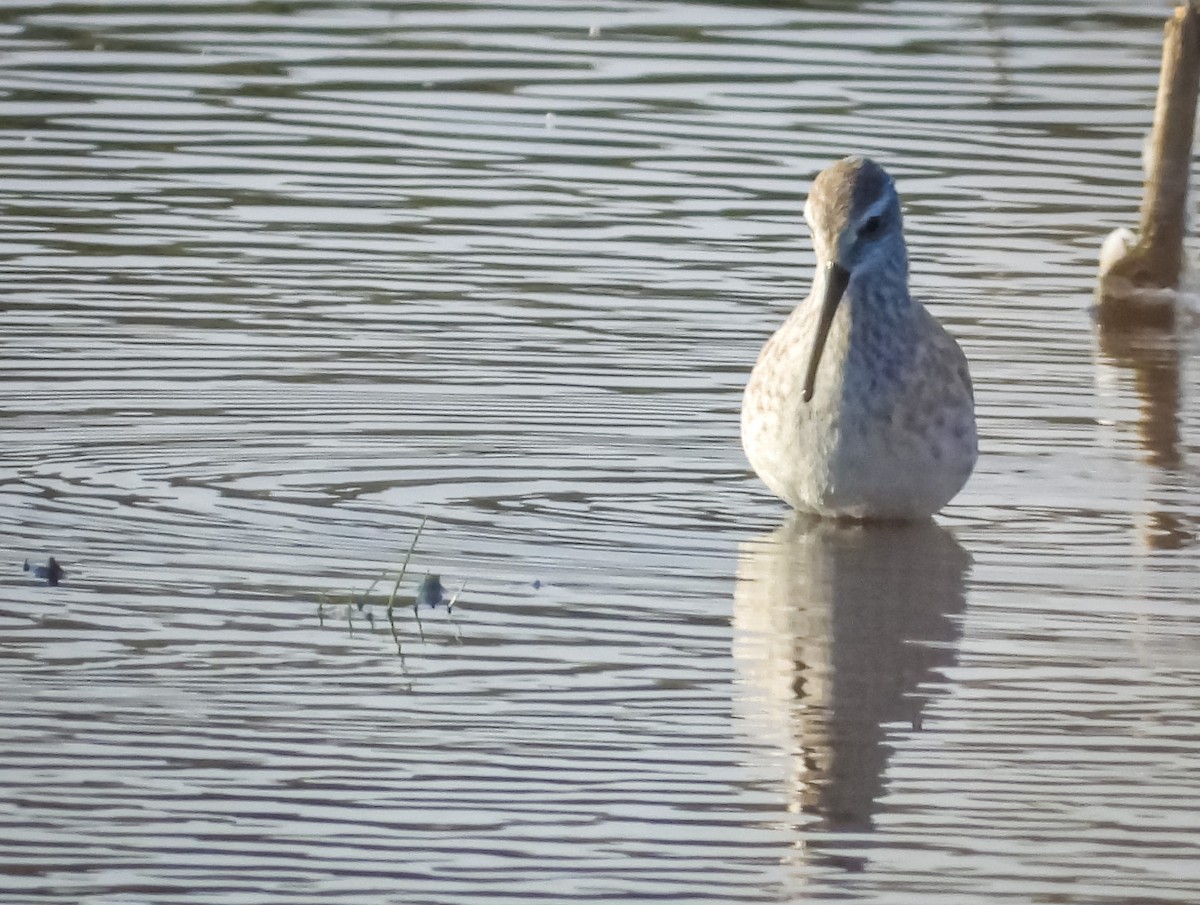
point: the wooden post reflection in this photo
(1152, 355)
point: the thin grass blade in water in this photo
(404, 567)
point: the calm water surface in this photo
(282, 279)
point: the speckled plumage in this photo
(889, 430)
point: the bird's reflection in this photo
(839, 630)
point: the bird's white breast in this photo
(890, 430)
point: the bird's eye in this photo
(871, 228)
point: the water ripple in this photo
(282, 280)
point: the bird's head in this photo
(854, 214)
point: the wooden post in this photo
(1164, 208)
(1157, 258)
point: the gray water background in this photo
(280, 279)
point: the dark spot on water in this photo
(51, 573)
(431, 592)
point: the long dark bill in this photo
(836, 278)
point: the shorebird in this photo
(860, 406)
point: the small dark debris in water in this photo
(537, 584)
(431, 592)
(51, 572)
